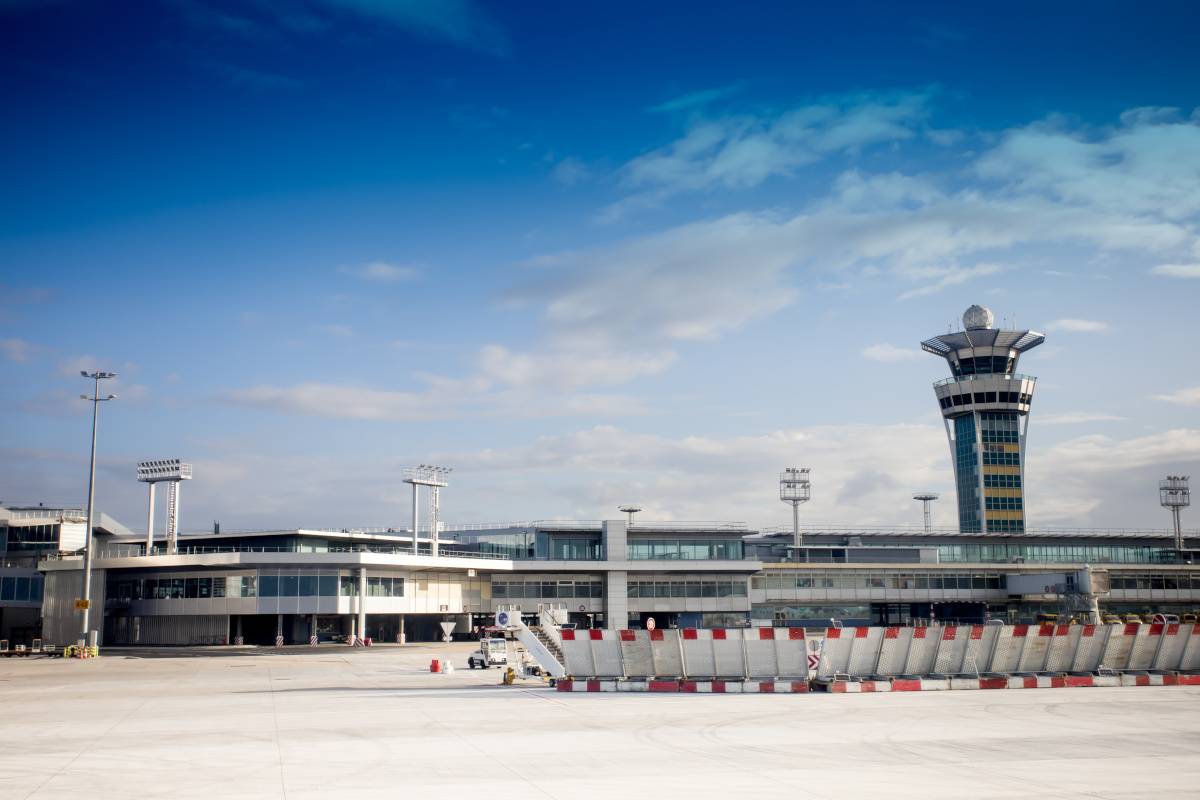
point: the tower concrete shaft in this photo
(985, 407)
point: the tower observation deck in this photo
(985, 407)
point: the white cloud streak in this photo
(382, 272)
(1071, 325)
(890, 353)
(1183, 397)
(1177, 270)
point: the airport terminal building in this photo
(304, 586)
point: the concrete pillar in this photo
(312, 628)
(239, 638)
(415, 518)
(616, 600)
(278, 626)
(150, 521)
(400, 636)
(362, 602)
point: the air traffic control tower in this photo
(985, 406)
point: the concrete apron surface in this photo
(343, 722)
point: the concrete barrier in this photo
(728, 657)
(1170, 649)
(893, 652)
(698, 652)
(865, 644)
(1145, 647)
(922, 651)
(1089, 650)
(1190, 660)
(666, 654)
(1119, 645)
(993, 656)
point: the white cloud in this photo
(15, 349)
(1107, 482)
(1071, 325)
(341, 402)
(743, 151)
(946, 277)
(570, 171)
(694, 100)
(1076, 418)
(1184, 397)
(890, 353)
(1149, 164)
(568, 369)
(382, 272)
(1177, 270)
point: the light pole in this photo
(926, 499)
(794, 489)
(87, 534)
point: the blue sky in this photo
(590, 254)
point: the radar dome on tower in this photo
(978, 318)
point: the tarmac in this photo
(335, 721)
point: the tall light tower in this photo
(794, 488)
(630, 510)
(1174, 494)
(927, 498)
(96, 400)
(172, 471)
(435, 479)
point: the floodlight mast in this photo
(435, 479)
(96, 400)
(795, 488)
(926, 498)
(630, 510)
(1174, 495)
(172, 471)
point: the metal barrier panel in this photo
(1119, 645)
(1170, 651)
(1063, 648)
(1006, 655)
(791, 653)
(952, 650)
(577, 653)
(894, 651)
(1090, 649)
(760, 653)
(922, 650)
(978, 657)
(666, 656)
(835, 654)
(1190, 660)
(864, 651)
(606, 654)
(1037, 648)
(698, 658)
(636, 655)
(1145, 645)
(728, 656)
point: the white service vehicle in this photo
(493, 651)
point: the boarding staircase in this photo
(547, 641)
(509, 618)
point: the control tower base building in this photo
(985, 407)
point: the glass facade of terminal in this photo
(690, 586)
(685, 549)
(503, 588)
(21, 589)
(1056, 553)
